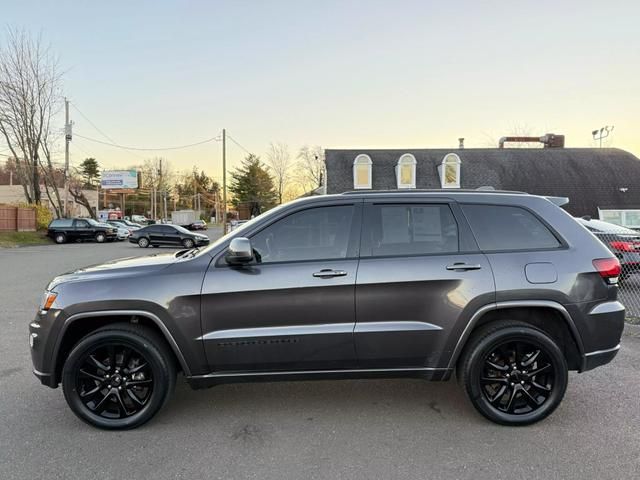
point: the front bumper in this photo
(42, 342)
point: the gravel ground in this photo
(326, 429)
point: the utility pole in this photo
(224, 181)
(67, 140)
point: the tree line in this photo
(30, 100)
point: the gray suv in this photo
(505, 289)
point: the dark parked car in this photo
(623, 242)
(504, 289)
(167, 235)
(198, 225)
(64, 230)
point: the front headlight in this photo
(48, 300)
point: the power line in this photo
(178, 147)
(238, 144)
(92, 124)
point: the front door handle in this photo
(328, 273)
(463, 266)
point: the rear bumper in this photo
(600, 357)
(604, 325)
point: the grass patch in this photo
(19, 239)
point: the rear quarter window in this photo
(61, 223)
(501, 227)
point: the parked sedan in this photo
(63, 230)
(198, 225)
(123, 231)
(169, 235)
(623, 242)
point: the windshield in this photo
(182, 229)
(238, 232)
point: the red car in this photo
(198, 225)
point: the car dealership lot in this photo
(325, 429)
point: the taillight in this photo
(623, 246)
(608, 268)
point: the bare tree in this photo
(311, 169)
(279, 160)
(76, 182)
(29, 99)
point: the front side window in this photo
(362, 172)
(414, 229)
(315, 234)
(500, 227)
(406, 171)
(82, 224)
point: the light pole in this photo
(604, 132)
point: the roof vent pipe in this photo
(461, 143)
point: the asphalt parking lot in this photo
(365, 429)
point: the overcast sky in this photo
(338, 73)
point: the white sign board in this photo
(119, 179)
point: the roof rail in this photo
(433, 190)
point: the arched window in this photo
(362, 172)
(450, 171)
(406, 171)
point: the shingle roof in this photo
(590, 177)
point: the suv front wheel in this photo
(514, 373)
(119, 376)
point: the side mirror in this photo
(239, 251)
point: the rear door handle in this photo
(328, 273)
(463, 266)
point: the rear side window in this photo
(61, 223)
(411, 229)
(499, 227)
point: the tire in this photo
(60, 238)
(112, 367)
(100, 237)
(496, 372)
(143, 242)
(188, 243)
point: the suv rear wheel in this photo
(513, 373)
(119, 376)
(60, 238)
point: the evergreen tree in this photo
(252, 185)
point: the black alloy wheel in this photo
(119, 376)
(114, 381)
(514, 373)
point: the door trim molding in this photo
(398, 326)
(281, 331)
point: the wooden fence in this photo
(18, 219)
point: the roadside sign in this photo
(119, 179)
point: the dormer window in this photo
(450, 171)
(406, 171)
(362, 172)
